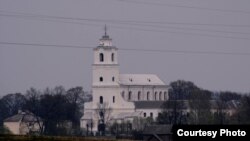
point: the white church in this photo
(120, 96)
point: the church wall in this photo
(106, 72)
(148, 112)
(109, 94)
(107, 55)
(144, 90)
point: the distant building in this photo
(23, 123)
(120, 96)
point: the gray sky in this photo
(22, 67)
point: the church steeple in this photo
(105, 40)
(105, 67)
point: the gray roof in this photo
(182, 104)
(23, 117)
(140, 79)
(158, 129)
(148, 104)
(232, 104)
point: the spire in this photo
(105, 40)
(105, 36)
(105, 29)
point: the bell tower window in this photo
(112, 57)
(101, 100)
(101, 79)
(101, 57)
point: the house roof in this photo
(232, 104)
(23, 116)
(140, 79)
(158, 129)
(148, 104)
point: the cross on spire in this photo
(105, 29)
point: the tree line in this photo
(57, 107)
(189, 104)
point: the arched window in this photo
(148, 94)
(165, 96)
(145, 114)
(123, 94)
(113, 79)
(101, 57)
(151, 115)
(160, 95)
(155, 95)
(101, 79)
(129, 95)
(112, 57)
(113, 99)
(101, 100)
(139, 95)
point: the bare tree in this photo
(75, 97)
(31, 124)
(103, 112)
(200, 107)
(33, 105)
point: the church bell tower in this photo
(105, 84)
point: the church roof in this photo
(148, 104)
(140, 79)
(181, 104)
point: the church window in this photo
(101, 79)
(145, 114)
(151, 115)
(155, 95)
(139, 95)
(160, 95)
(148, 93)
(113, 99)
(113, 79)
(129, 95)
(112, 57)
(101, 56)
(165, 95)
(123, 94)
(101, 100)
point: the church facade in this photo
(120, 96)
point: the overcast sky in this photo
(205, 31)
